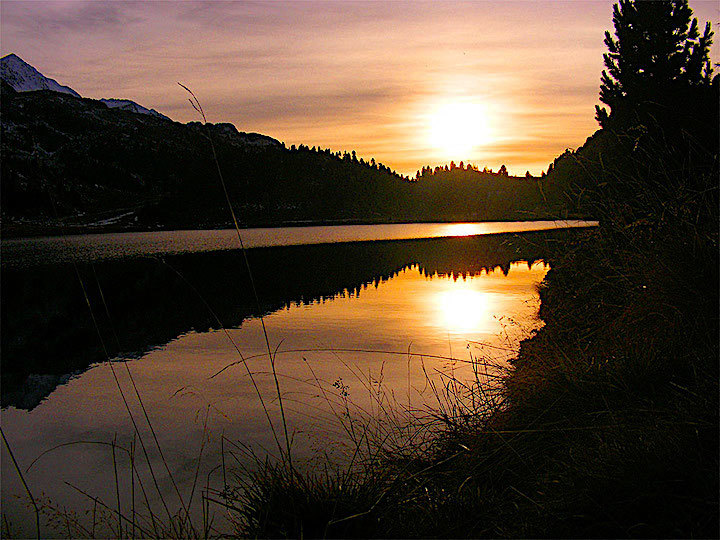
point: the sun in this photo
(457, 129)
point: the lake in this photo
(364, 323)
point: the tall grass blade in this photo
(25, 485)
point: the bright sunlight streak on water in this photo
(487, 304)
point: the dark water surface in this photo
(358, 326)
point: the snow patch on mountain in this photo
(252, 139)
(245, 139)
(25, 78)
(256, 139)
(128, 105)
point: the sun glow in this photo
(457, 129)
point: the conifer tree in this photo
(656, 52)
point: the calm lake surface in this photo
(360, 330)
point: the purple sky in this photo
(367, 76)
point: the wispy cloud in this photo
(342, 74)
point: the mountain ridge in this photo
(23, 77)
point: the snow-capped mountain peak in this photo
(24, 78)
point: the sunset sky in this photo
(408, 83)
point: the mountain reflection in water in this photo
(359, 329)
(48, 332)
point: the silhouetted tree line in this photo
(349, 157)
(439, 169)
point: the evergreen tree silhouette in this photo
(656, 52)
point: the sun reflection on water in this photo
(488, 303)
(385, 333)
(465, 310)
